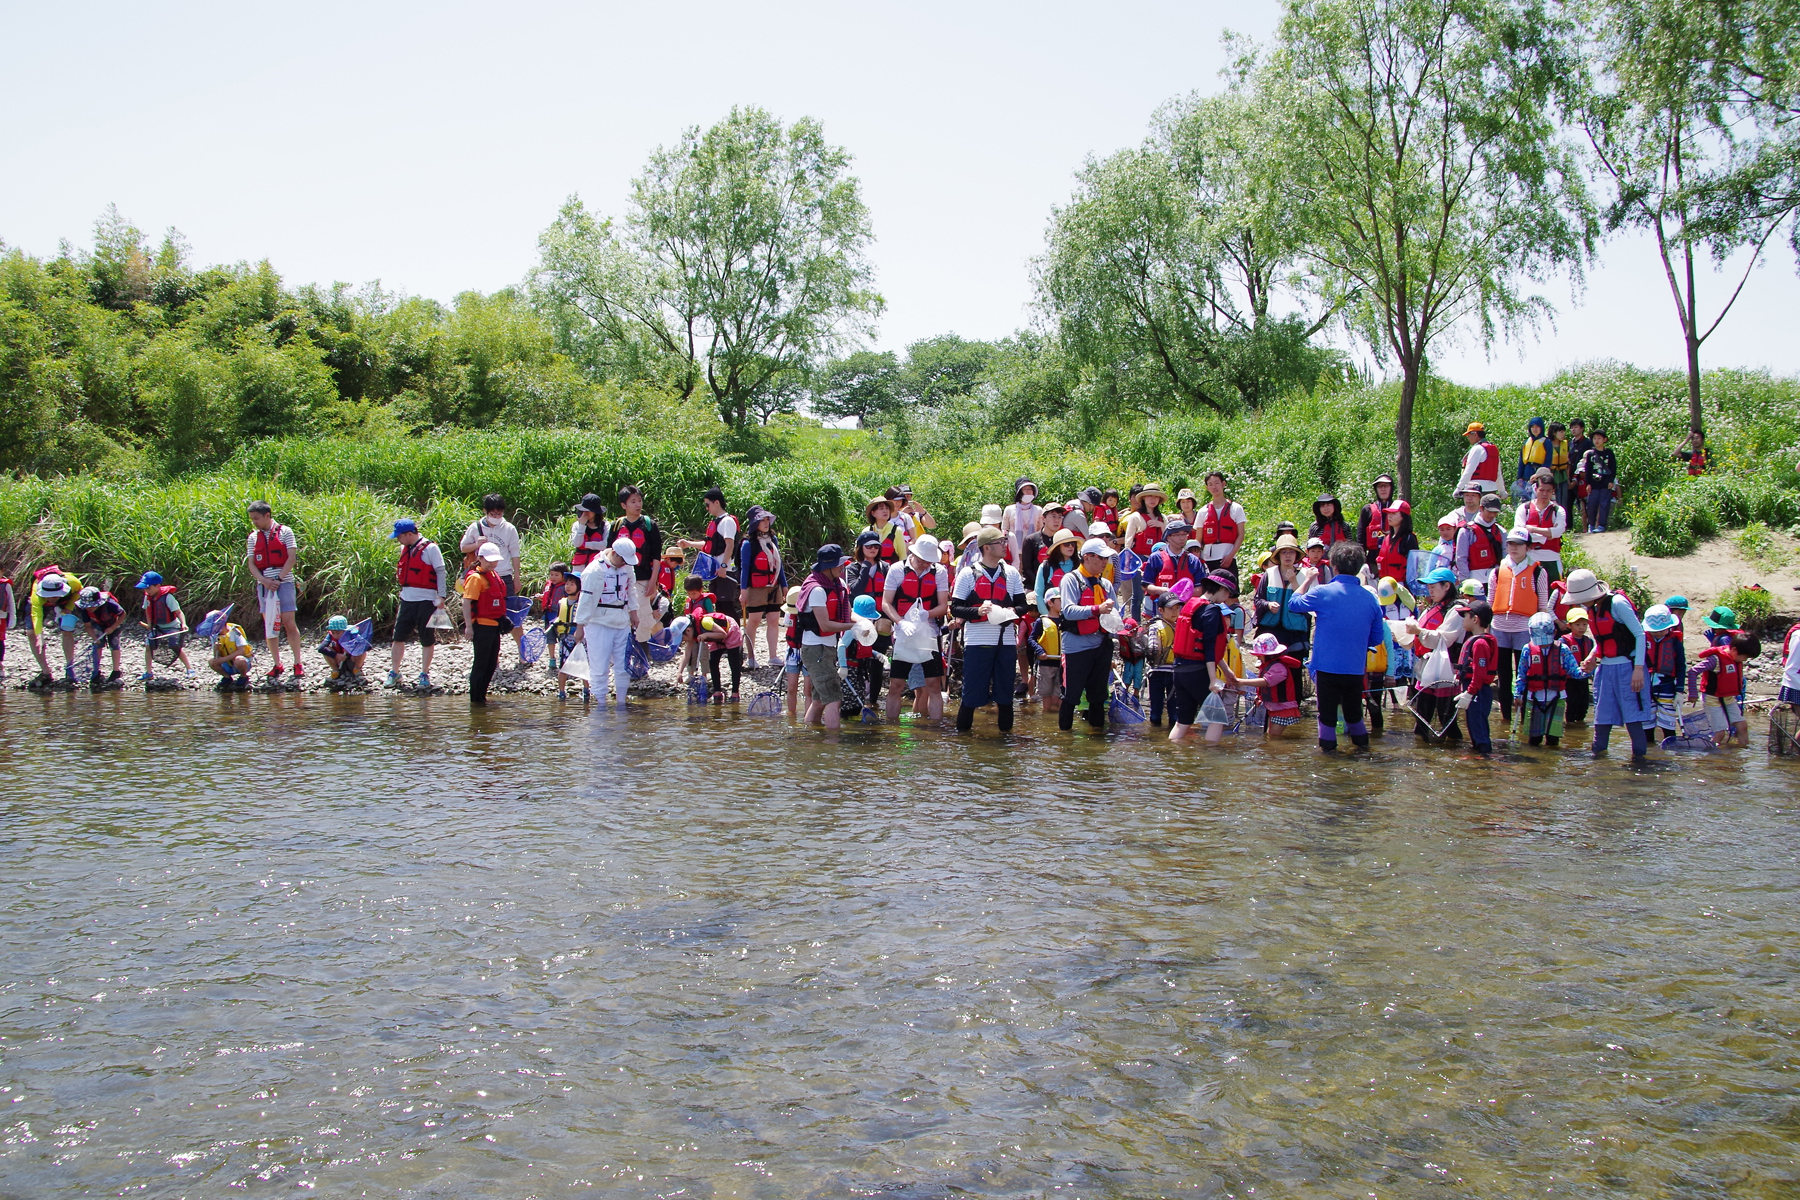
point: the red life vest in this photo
(52, 569)
(412, 570)
(1545, 521)
(1287, 692)
(1390, 560)
(715, 541)
(637, 532)
(1582, 646)
(271, 552)
(699, 606)
(1373, 519)
(762, 573)
(1171, 571)
(1188, 643)
(1146, 540)
(157, 606)
(916, 588)
(1486, 547)
(109, 612)
(991, 587)
(1697, 466)
(1109, 515)
(1056, 575)
(1542, 668)
(1093, 593)
(665, 579)
(837, 600)
(1727, 681)
(1465, 659)
(793, 632)
(1216, 526)
(1661, 653)
(1490, 466)
(492, 605)
(591, 545)
(1614, 640)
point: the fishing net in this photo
(766, 704)
(359, 639)
(517, 607)
(698, 692)
(1695, 736)
(856, 694)
(165, 648)
(663, 646)
(636, 665)
(1784, 732)
(214, 624)
(532, 646)
(1124, 708)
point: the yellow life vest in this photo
(1559, 455)
(1533, 455)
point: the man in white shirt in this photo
(917, 582)
(1221, 525)
(423, 586)
(494, 528)
(1481, 465)
(1546, 521)
(607, 612)
(990, 648)
(271, 553)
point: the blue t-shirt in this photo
(1346, 625)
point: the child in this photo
(1559, 463)
(1157, 639)
(165, 620)
(232, 653)
(1721, 627)
(1048, 651)
(1547, 669)
(1131, 658)
(557, 607)
(346, 667)
(1581, 691)
(1679, 606)
(672, 558)
(1665, 661)
(792, 670)
(1719, 670)
(1107, 511)
(1476, 667)
(698, 604)
(104, 618)
(1436, 631)
(724, 638)
(1278, 678)
(1317, 563)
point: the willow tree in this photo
(739, 267)
(1427, 171)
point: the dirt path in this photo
(1708, 571)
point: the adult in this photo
(607, 611)
(1398, 541)
(1470, 496)
(1187, 507)
(646, 536)
(1481, 464)
(1086, 648)
(272, 552)
(1480, 545)
(1222, 526)
(881, 520)
(493, 529)
(1616, 663)
(588, 538)
(1598, 473)
(1020, 519)
(764, 579)
(1144, 525)
(424, 583)
(1579, 442)
(1198, 650)
(53, 595)
(1437, 627)
(1347, 620)
(1521, 590)
(824, 614)
(1058, 562)
(484, 596)
(1328, 521)
(918, 583)
(719, 541)
(1693, 452)
(1033, 546)
(990, 647)
(1177, 560)
(1533, 455)
(1282, 582)
(1544, 521)
(1075, 517)
(918, 521)
(1371, 522)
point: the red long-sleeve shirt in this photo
(1479, 663)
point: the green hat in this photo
(1721, 618)
(337, 624)
(1677, 603)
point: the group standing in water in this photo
(1077, 606)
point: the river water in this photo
(359, 946)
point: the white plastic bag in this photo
(914, 639)
(576, 665)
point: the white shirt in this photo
(1218, 550)
(897, 575)
(1020, 521)
(1559, 525)
(432, 557)
(1790, 674)
(817, 607)
(986, 633)
(609, 595)
(285, 573)
(1473, 459)
(505, 537)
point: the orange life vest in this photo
(1515, 589)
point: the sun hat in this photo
(337, 624)
(1575, 614)
(1160, 548)
(1542, 627)
(1441, 575)
(869, 508)
(1019, 486)
(1267, 643)
(1543, 475)
(1518, 535)
(1096, 546)
(1223, 582)
(1719, 618)
(968, 532)
(52, 587)
(590, 503)
(1186, 494)
(1677, 603)
(1311, 542)
(1063, 538)
(927, 548)
(792, 603)
(1658, 618)
(626, 550)
(1389, 590)
(1583, 586)
(90, 598)
(1031, 598)
(1475, 427)
(148, 579)
(674, 550)
(830, 555)
(865, 607)
(489, 552)
(403, 525)
(988, 535)
(1182, 590)
(1287, 541)
(990, 514)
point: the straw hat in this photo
(1287, 541)
(869, 508)
(1065, 537)
(1186, 494)
(968, 532)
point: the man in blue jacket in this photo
(1346, 626)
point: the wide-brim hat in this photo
(927, 549)
(1064, 537)
(869, 508)
(1721, 618)
(1153, 489)
(990, 514)
(1287, 541)
(1187, 494)
(1582, 587)
(1267, 643)
(968, 532)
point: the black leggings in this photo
(1436, 709)
(736, 654)
(486, 640)
(1160, 683)
(1086, 671)
(1509, 662)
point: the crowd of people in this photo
(1106, 606)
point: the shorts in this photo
(285, 595)
(1789, 695)
(792, 664)
(1512, 641)
(1049, 681)
(1281, 720)
(760, 600)
(1192, 686)
(1667, 712)
(412, 622)
(933, 668)
(820, 665)
(1722, 713)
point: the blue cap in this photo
(1441, 575)
(1673, 603)
(830, 555)
(148, 579)
(403, 525)
(865, 608)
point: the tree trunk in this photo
(1690, 331)
(1409, 391)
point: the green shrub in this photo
(1754, 606)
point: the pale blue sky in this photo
(426, 145)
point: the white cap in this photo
(927, 548)
(1096, 546)
(1518, 535)
(490, 552)
(990, 514)
(625, 550)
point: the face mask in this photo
(493, 521)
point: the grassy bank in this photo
(341, 495)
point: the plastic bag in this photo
(914, 639)
(1436, 669)
(1212, 711)
(576, 665)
